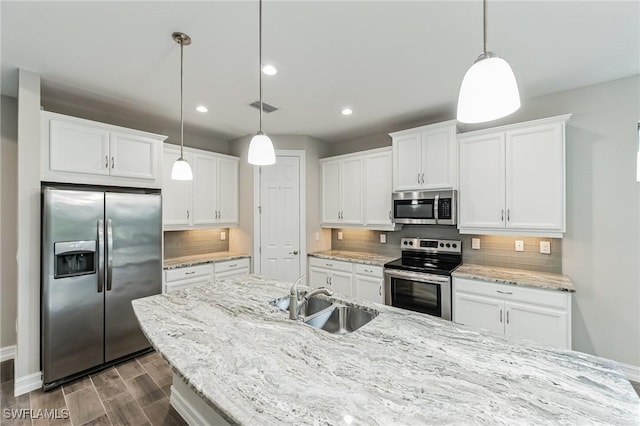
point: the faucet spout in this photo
(295, 305)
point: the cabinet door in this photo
(133, 156)
(331, 192)
(439, 158)
(407, 159)
(341, 282)
(78, 149)
(479, 311)
(540, 324)
(351, 193)
(228, 191)
(205, 172)
(535, 178)
(369, 288)
(482, 175)
(176, 194)
(318, 277)
(377, 189)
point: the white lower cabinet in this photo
(348, 279)
(541, 315)
(189, 276)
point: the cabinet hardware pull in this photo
(422, 178)
(500, 315)
(418, 177)
(380, 290)
(327, 280)
(106, 161)
(502, 217)
(187, 214)
(113, 163)
(233, 266)
(389, 214)
(329, 264)
(330, 280)
(295, 252)
(338, 214)
(508, 214)
(504, 292)
(367, 270)
(507, 317)
(190, 273)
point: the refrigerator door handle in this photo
(100, 255)
(109, 254)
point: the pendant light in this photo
(261, 151)
(489, 90)
(181, 169)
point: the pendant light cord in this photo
(181, 101)
(484, 24)
(260, 58)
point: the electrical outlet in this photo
(545, 247)
(475, 243)
(317, 236)
(383, 238)
(339, 235)
(223, 235)
(519, 245)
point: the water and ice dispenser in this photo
(73, 258)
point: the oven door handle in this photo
(417, 276)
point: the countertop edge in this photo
(194, 262)
(353, 257)
(563, 283)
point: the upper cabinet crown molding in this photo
(425, 158)
(512, 179)
(356, 190)
(76, 150)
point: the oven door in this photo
(420, 292)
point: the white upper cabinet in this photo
(356, 190)
(425, 157)
(209, 200)
(75, 150)
(512, 179)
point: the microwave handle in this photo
(435, 207)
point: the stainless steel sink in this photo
(340, 319)
(310, 307)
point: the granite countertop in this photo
(253, 365)
(546, 280)
(354, 256)
(199, 259)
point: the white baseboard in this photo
(631, 371)
(26, 384)
(7, 353)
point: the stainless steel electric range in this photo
(421, 279)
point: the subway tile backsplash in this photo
(494, 250)
(197, 241)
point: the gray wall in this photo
(197, 241)
(8, 221)
(601, 248)
(241, 238)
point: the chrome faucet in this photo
(294, 306)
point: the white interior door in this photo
(280, 219)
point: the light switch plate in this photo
(223, 235)
(339, 235)
(519, 245)
(475, 243)
(317, 236)
(545, 247)
(383, 238)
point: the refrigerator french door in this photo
(100, 250)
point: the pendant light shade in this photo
(489, 89)
(261, 152)
(181, 169)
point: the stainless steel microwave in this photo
(425, 207)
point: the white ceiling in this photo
(393, 62)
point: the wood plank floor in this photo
(133, 393)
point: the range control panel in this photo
(433, 246)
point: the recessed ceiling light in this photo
(202, 108)
(347, 111)
(269, 70)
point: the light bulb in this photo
(269, 70)
(261, 152)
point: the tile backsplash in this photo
(494, 250)
(197, 241)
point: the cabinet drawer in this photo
(188, 272)
(373, 271)
(231, 265)
(543, 297)
(334, 265)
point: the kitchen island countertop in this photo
(253, 365)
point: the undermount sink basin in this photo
(341, 319)
(312, 306)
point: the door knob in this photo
(295, 252)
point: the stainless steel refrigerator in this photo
(101, 248)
